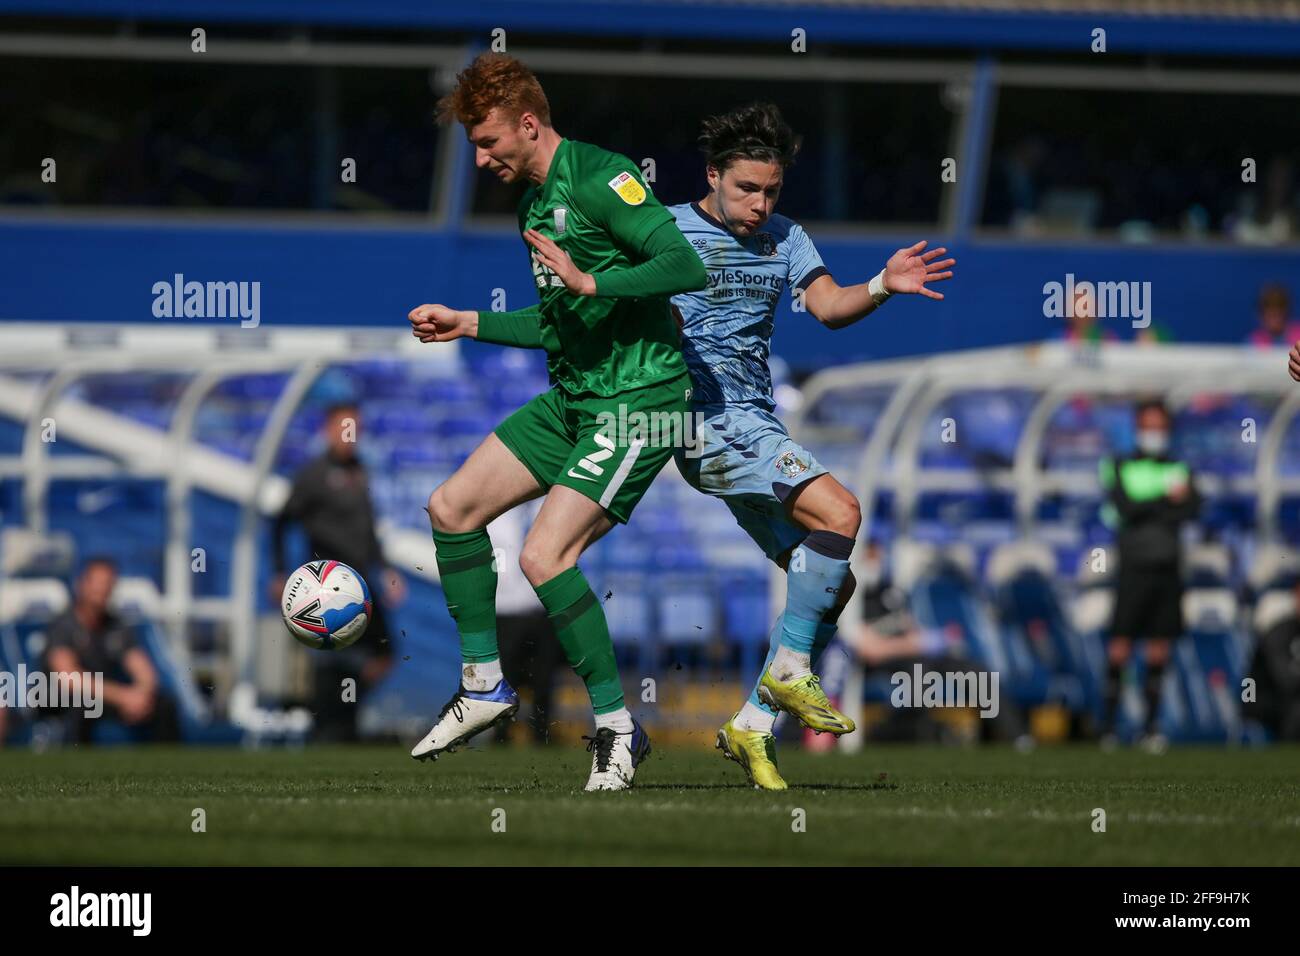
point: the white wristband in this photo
(876, 287)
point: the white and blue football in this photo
(326, 605)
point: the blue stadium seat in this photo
(1043, 651)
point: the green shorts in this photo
(607, 449)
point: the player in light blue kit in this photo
(794, 509)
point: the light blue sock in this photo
(773, 641)
(817, 571)
(825, 634)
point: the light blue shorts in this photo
(746, 457)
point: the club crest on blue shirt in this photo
(766, 244)
(791, 464)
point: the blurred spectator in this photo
(1155, 333)
(530, 651)
(330, 498)
(1276, 670)
(1276, 329)
(1014, 189)
(1081, 320)
(89, 638)
(1081, 330)
(1266, 213)
(1150, 495)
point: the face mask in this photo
(1152, 441)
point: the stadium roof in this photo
(1214, 27)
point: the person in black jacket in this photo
(1151, 495)
(89, 638)
(330, 498)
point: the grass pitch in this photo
(890, 805)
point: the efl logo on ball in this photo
(326, 605)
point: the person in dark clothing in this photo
(330, 499)
(1151, 495)
(89, 638)
(1275, 668)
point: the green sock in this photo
(580, 625)
(469, 582)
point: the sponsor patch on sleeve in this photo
(628, 189)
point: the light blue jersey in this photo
(727, 326)
(745, 455)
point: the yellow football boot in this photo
(804, 698)
(755, 751)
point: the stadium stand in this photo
(971, 439)
(985, 532)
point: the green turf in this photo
(890, 805)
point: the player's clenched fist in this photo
(437, 323)
(1293, 362)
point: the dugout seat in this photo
(1200, 699)
(138, 602)
(1205, 703)
(27, 605)
(31, 600)
(944, 594)
(1046, 655)
(1273, 566)
(43, 554)
(1207, 565)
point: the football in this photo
(326, 605)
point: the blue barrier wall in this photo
(82, 272)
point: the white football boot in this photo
(615, 757)
(469, 712)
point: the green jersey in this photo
(596, 207)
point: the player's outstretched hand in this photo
(1293, 362)
(437, 323)
(908, 270)
(557, 260)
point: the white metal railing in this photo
(1175, 372)
(120, 446)
(920, 387)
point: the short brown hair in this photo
(1149, 402)
(494, 80)
(756, 131)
